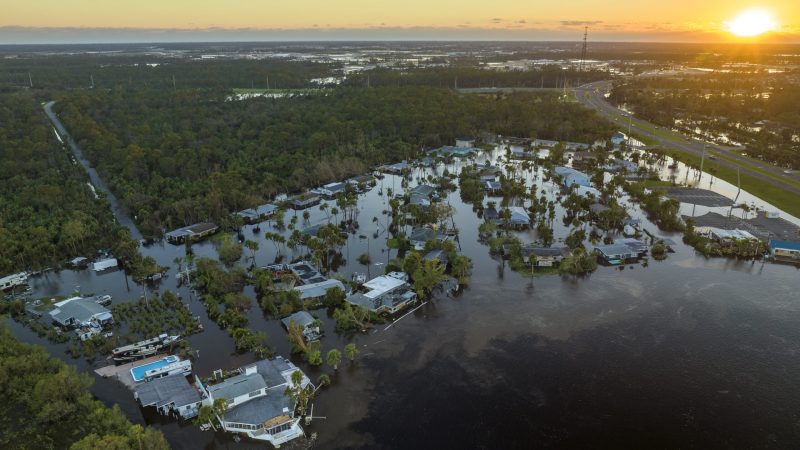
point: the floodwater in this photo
(683, 353)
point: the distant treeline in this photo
(47, 405)
(549, 76)
(175, 158)
(103, 71)
(48, 213)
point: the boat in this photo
(143, 349)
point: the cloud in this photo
(522, 21)
(532, 31)
(579, 23)
(497, 20)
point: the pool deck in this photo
(122, 372)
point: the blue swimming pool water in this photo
(139, 371)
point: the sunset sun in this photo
(751, 23)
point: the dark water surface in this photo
(683, 353)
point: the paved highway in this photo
(592, 95)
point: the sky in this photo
(84, 21)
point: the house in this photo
(543, 256)
(438, 255)
(465, 142)
(519, 217)
(571, 177)
(544, 143)
(420, 236)
(309, 325)
(257, 214)
(641, 248)
(492, 187)
(171, 395)
(105, 264)
(192, 232)
(621, 165)
(317, 290)
(618, 138)
(305, 272)
(785, 251)
(397, 168)
(304, 201)
(586, 191)
(616, 253)
(420, 200)
(724, 236)
(78, 312)
(488, 177)
(423, 189)
(258, 404)
(384, 294)
(330, 190)
(453, 151)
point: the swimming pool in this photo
(138, 373)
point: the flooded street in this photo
(687, 352)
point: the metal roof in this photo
(173, 389)
(381, 285)
(319, 289)
(237, 386)
(79, 309)
(262, 409)
(302, 318)
(784, 244)
(615, 250)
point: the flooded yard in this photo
(687, 352)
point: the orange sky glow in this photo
(677, 20)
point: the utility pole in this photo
(583, 50)
(91, 78)
(173, 82)
(702, 160)
(30, 80)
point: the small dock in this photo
(122, 372)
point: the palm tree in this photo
(351, 351)
(220, 406)
(206, 415)
(324, 208)
(333, 358)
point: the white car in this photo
(787, 172)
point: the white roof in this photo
(381, 285)
(104, 264)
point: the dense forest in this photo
(177, 157)
(58, 72)
(47, 405)
(47, 211)
(756, 109)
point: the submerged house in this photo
(420, 236)
(171, 395)
(543, 256)
(304, 201)
(78, 312)
(258, 405)
(384, 294)
(519, 217)
(317, 290)
(618, 138)
(309, 325)
(330, 190)
(191, 233)
(785, 251)
(616, 253)
(257, 214)
(571, 177)
(107, 264)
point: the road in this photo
(592, 95)
(120, 215)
